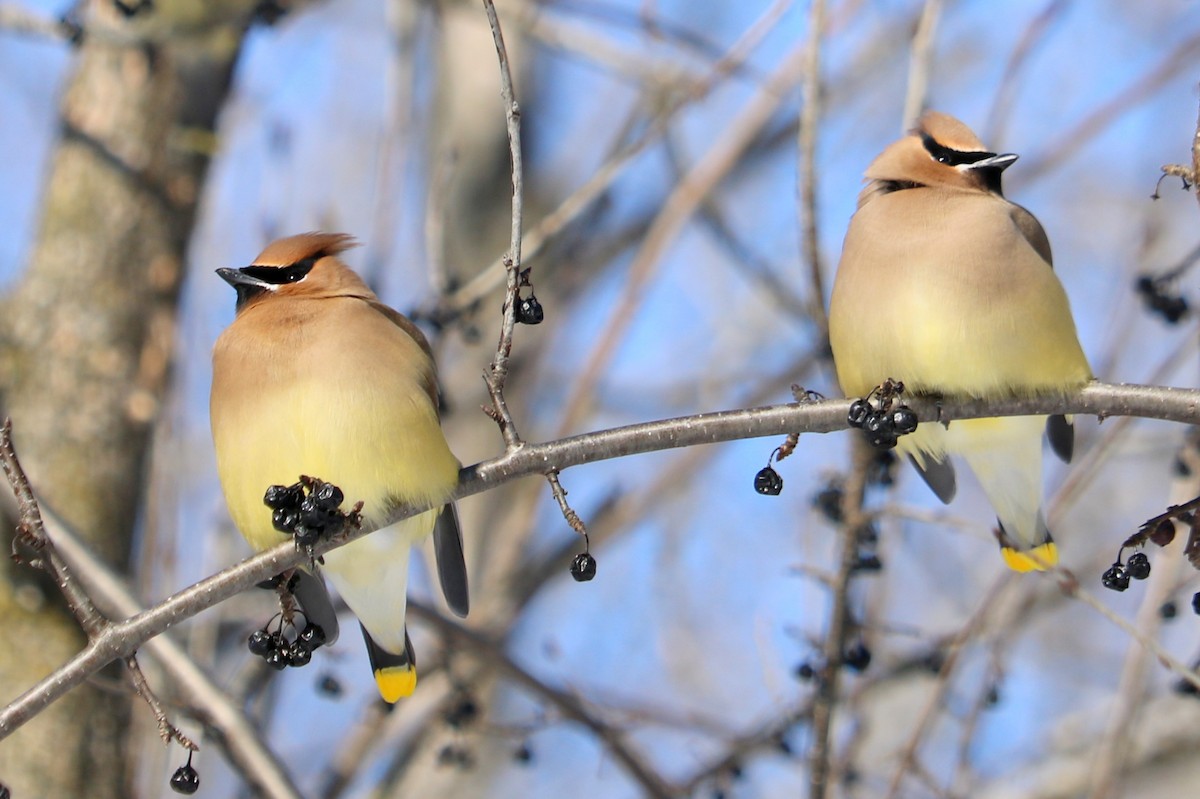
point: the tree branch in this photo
(122, 638)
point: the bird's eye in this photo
(279, 275)
(945, 155)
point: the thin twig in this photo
(498, 373)
(166, 730)
(828, 677)
(920, 63)
(806, 142)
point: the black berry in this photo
(329, 686)
(904, 420)
(829, 502)
(859, 411)
(529, 311)
(1116, 578)
(523, 754)
(327, 496)
(285, 520)
(857, 657)
(1138, 566)
(185, 779)
(313, 636)
(298, 655)
(868, 562)
(1169, 610)
(278, 659)
(283, 496)
(1196, 603)
(583, 568)
(768, 482)
(260, 643)
(804, 671)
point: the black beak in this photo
(246, 286)
(997, 162)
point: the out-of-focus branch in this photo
(571, 706)
(854, 521)
(121, 639)
(920, 63)
(1183, 56)
(806, 143)
(699, 181)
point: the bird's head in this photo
(297, 266)
(940, 151)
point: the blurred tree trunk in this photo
(87, 338)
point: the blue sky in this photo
(698, 605)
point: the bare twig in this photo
(806, 142)
(920, 63)
(820, 758)
(498, 373)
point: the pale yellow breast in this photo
(941, 289)
(339, 395)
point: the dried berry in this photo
(904, 420)
(583, 567)
(313, 636)
(1163, 533)
(186, 779)
(260, 643)
(1116, 578)
(859, 411)
(857, 657)
(529, 311)
(768, 482)
(1138, 566)
(279, 496)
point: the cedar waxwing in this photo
(948, 287)
(316, 376)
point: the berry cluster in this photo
(186, 779)
(1116, 578)
(1170, 306)
(279, 652)
(883, 423)
(308, 510)
(856, 658)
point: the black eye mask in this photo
(279, 275)
(945, 155)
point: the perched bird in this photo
(948, 287)
(316, 376)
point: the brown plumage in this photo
(946, 285)
(316, 376)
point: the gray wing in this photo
(1060, 431)
(313, 596)
(451, 563)
(938, 474)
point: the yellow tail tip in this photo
(396, 682)
(1039, 558)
